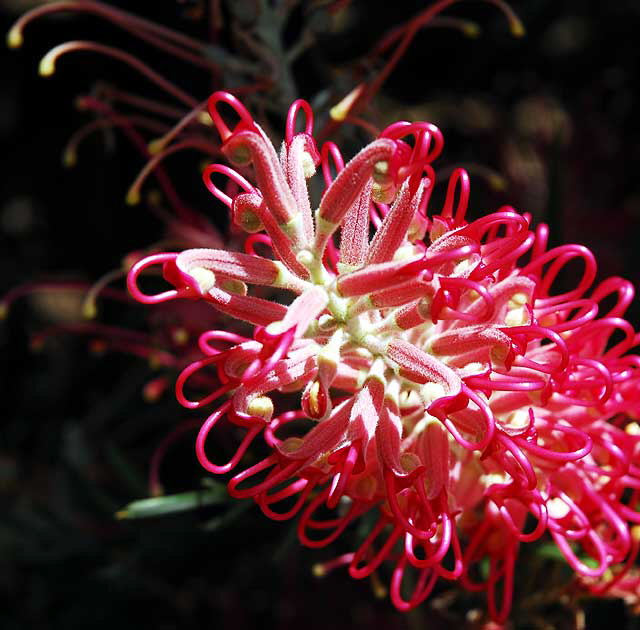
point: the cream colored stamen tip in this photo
(379, 591)
(339, 112)
(519, 419)
(261, 407)
(133, 197)
(69, 158)
(498, 354)
(305, 257)
(155, 146)
(497, 182)
(633, 428)
(430, 392)
(14, 38)
(516, 317)
(471, 30)
(4, 310)
(121, 515)
(382, 194)
(518, 29)
(205, 119)
(308, 166)
(290, 445)
(557, 508)
(318, 570)
(47, 66)
(237, 287)
(314, 401)
(89, 310)
(250, 222)
(180, 336)
(205, 278)
(241, 155)
(276, 328)
(381, 167)
(518, 299)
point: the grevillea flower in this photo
(411, 370)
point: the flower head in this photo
(412, 365)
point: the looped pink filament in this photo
(246, 120)
(290, 128)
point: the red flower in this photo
(448, 386)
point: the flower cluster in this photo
(423, 374)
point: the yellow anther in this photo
(47, 65)
(308, 166)
(237, 287)
(633, 428)
(471, 29)
(557, 508)
(89, 309)
(379, 590)
(205, 278)
(133, 197)
(305, 257)
(240, 155)
(261, 407)
(249, 222)
(518, 299)
(69, 158)
(516, 317)
(498, 354)
(381, 173)
(314, 399)
(340, 111)
(14, 38)
(205, 119)
(430, 392)
(318, 570)
(180, 336)
(382, 194)
(519, 419)
(497, 182)
(290, 445)
(155, 146)
(517, 28)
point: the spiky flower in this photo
(431, 371)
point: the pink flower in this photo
(427, 370)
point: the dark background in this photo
(555, 113)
